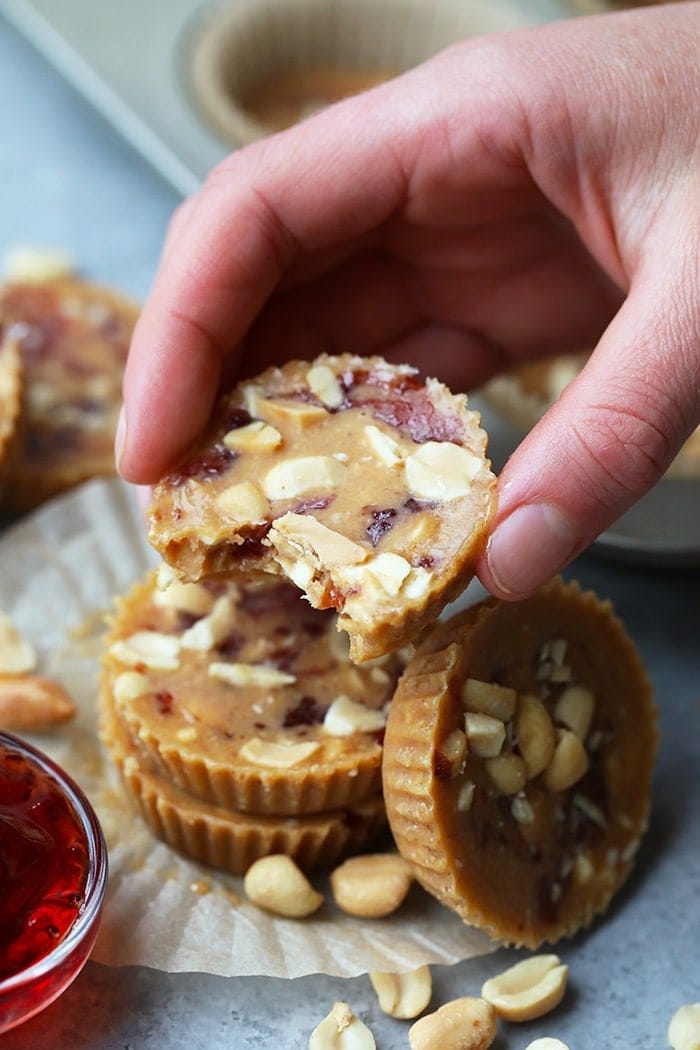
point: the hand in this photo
(521, 195)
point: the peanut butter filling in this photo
(366, 487)
(245, 695)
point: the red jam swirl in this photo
(44, 863)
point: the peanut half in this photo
(568, 763)
(371, 886)
(276, 884)
(403, 995)
(341, 1030)
(546, 1043)
(527, 990)
(684, 1029)
(462, 1024)
(29, 703)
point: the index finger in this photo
(260, 210)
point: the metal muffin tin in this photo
(129, 59)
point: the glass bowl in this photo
(53, 874)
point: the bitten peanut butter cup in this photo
(73, 339)
(223, 838)
(518, 761)
(244, 696)
(366, 486)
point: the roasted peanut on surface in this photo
(371, 886)
(462, 1024)
(341, 1030)
(403, 995)
(30, 704)
(527, 990)
(684, 1029)
(276, 884)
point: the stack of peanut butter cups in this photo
(239, 725)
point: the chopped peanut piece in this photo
(569, 763)
(277, 756)
(554, 651)
(583, 868)
(384, 447)
(185, 597)
(346, 716)
(485, 734)
(466, 796)
(535, 733)
(522, 810)
(328, 549)
(488, 698)
(254, 437)
(211, 630)
(440, 470)
(403, 995)
(529, 989)
(161, 652)
(463, 1024)
(452, 753)
(243, 504)
(279, 412)
(276, 884)
(249, 674)
(508, 772)
(323, 383)
(130, 685)
(296, 477)
(574, 709)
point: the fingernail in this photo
(120, 439)
(529, 547)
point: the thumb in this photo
(608, 439)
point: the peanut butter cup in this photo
(73, 339)
(243, 695)
(518, 760)
(365, 485)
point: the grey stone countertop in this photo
(68, 180)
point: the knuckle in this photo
(620, 450)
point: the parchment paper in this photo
(59, 572)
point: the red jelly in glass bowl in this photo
(53, 873)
